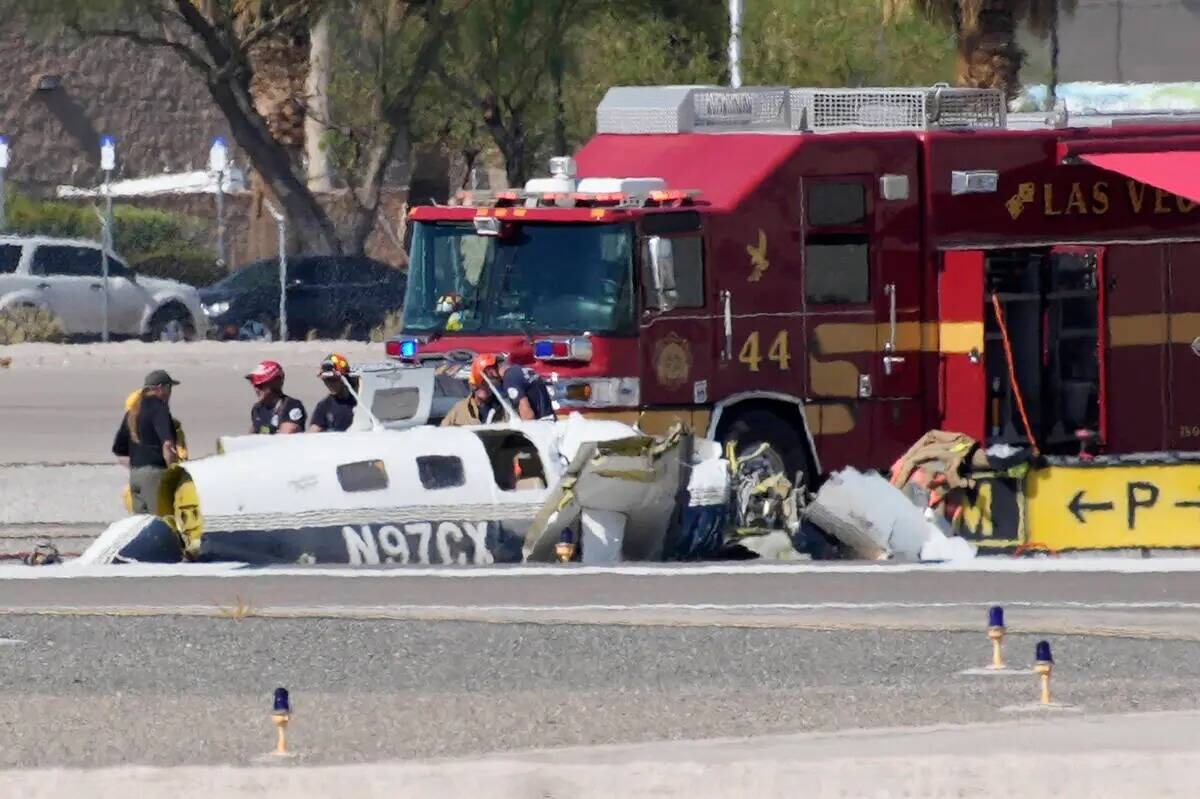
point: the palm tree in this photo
(988, 54)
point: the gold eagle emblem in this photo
(758, 257)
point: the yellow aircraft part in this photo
(184, 514)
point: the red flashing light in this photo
(392, 348)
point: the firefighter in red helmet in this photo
(274, 412)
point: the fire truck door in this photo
(677, 345)
(962, 396)
(1183, 341)
(897, 367)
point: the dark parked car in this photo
(333, 297)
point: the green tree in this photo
(398, 43)
(630, 46)
(986, 34)
(501, 61)
(525, 76)
(817, 43)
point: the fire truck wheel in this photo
(787, 448)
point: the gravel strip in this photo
(163, 691)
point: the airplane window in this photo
(516, 465)
(362, 476)
(396, 404)
(440, 471)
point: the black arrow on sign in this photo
(1077, 507)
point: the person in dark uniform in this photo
(274, 412)
(145, 441)
(334, 413)
(526, 391)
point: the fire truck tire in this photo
(787, 442)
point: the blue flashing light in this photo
(1042, 653)
(996, 616)
(282, 704)
(543, 349)
(408, 348)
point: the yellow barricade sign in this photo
(1111, 507)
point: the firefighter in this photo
(146, 440)
(480, 407)
(527, 393)
(334, 413)
(274, 412)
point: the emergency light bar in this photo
(405, 348)
(490, 226)
(571, 349)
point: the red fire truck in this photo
(836, 271)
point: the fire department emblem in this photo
(672, 360)
(1024, 196)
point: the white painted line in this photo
(217, 609)
(987, 565)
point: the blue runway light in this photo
(1042, 654)
(408, 348)
(282, 704)
(995, 616)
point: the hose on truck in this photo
(1012, 372)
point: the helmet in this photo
(334, 365)
(481, 364)
(265, 372)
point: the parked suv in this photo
(63, 276)
(327, 296)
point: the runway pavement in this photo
(391, 665)
(1152, 598)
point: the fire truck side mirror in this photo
(659, 269)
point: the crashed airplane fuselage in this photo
(461, 495)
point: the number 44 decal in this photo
(778, 352)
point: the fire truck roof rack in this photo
(715, 109)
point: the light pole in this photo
(735, 43)
(281, 223)
(108, 162)
(3, 169)
(218, 158)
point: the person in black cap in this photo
(146, 441)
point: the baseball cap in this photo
(159, 377)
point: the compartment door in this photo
(962, 398)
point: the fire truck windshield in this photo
(543, 278)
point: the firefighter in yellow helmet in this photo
(334, 413)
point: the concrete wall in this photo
(1117, 41)
(162, 118)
